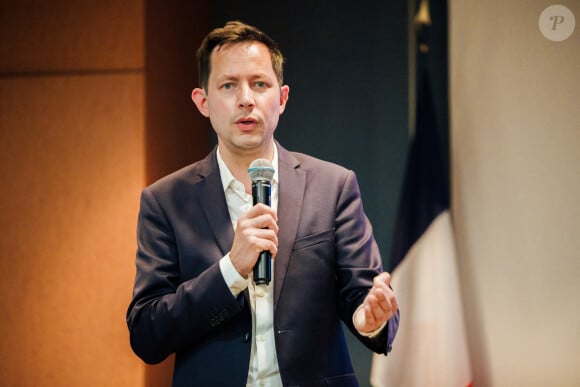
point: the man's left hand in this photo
(378, 307)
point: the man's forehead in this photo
(228, 56)
(247, 46)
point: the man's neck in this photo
(238, 163)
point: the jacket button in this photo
(246, 337)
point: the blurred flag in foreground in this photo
(431, 346)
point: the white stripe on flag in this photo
(430, 348)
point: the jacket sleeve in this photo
(359, 261)
(169, 312)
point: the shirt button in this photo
(260, 293)
(260, 338)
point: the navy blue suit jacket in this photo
(327, 258)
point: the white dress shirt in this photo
(263, 368)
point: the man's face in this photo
(243, 99)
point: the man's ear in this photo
(199, 98)
(284, 93)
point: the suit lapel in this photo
(214, 203)
(290, 195)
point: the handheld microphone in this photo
(261, 173)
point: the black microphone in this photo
(261, 173)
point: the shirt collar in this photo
(228, 178)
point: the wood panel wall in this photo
(82, 130)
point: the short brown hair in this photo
(235, 32)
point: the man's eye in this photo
(228, 86)
(261, 84)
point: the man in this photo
(199, 237)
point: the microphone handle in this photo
(261, 190)
(263, 269)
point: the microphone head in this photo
(261, 169)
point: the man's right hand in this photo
(256, 231)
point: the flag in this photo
(431, 346)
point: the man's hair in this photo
(235, 32)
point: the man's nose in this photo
(246, 97)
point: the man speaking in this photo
(200, 237)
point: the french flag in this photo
(431, 345)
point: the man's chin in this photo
(250, 142)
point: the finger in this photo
(262, 209)
(379, 309)
(266, 233)
(267, 239)
(383, 304)
(370, 320)
(267, 221)
(394, 303)
(382, 280)
(263, 221)
(252, 226)
(264, 240)
(388, 300)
